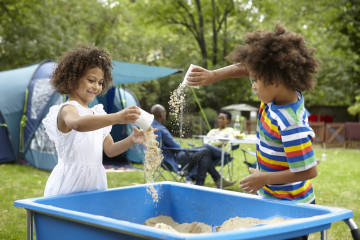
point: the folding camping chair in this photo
(228, 160)
(176, 175)
(246, 162)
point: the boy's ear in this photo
(275, 82)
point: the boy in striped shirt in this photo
(280, 67)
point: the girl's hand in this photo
(253, 182)
(155, 130)
(138, 136)
(200, 76)
(128, 115)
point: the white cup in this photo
(187, 73)
(145, 119)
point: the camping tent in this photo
(26, 95)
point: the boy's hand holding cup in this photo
(186, 75)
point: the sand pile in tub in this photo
(166, 223)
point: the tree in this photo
(34, 30)
(219, 18)
(192, 18)
(349, 25)
(179, 32)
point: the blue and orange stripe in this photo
(278, 154)
(298, 193)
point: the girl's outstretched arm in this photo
(69, 119)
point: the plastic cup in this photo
(145, 119)
(187, 73)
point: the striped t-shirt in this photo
(284, 141)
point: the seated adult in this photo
(223, 131)
(201, 158)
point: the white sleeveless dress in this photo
(79, 166)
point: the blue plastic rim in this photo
(120, 213)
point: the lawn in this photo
(337, 184)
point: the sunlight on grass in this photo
(337, 184)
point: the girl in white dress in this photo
(80, 133)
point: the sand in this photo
(153, 158)
(168, 224)
(177, 100)
(176, 107)
(241, 223)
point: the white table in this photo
(223, 142)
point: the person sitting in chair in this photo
(200, 158)
(224, 118)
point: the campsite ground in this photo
(337, 184)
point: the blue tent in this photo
(132, 73)
(26, 96)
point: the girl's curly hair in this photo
(74, 64)
(278, 57)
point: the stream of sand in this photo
(153, 158)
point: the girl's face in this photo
(89, 86)
(223, 121)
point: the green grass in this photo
(337, 184)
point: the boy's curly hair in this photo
(278, 57)
(74, 64)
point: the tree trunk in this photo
(225, 39)
(214, 50)
(201, 39)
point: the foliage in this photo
(355, 109)
(198, 123)
(350, 17)
(177, 33)
(202, 20)
(34, 30)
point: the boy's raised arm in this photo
(202, 76)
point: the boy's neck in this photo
(286, 97)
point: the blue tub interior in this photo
(181, 203)
(184, 203)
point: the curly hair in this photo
(73, 65)
(279, 57)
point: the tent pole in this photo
(202, 111)
(181, 119)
